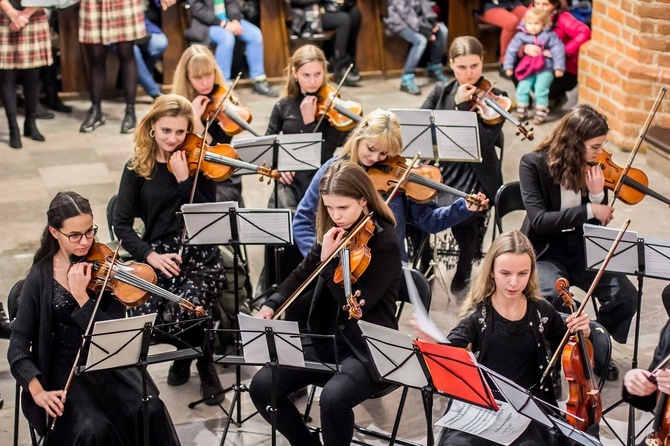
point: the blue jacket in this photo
(428, 216)
(547, 39)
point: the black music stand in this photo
(636, 255)
(269, 345)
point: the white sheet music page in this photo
(424, 321)
(502, 427)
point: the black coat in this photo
(202, 13)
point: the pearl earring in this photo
(152, 133)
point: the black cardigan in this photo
(30, 346)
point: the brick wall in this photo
(623, 66)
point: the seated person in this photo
(150, 49)
(504, 14)
(221, 22)
(416, 22)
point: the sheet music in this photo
(502, 427)
(299, 151)
(598, 240)
(289, 348)
(424, 321)
(265, 226)
(208, 223)
(108, 348)
(657, 257)
(257, 150)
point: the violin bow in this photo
(402, 179)
(89, 327)
(317, 271)
(638, 143)
(330, 102)
(580, 310)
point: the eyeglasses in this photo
(597, 147)
(76, 237)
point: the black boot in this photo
(180, 372)
(14, 133)
(93, 120)
(5, 331)
(30, 129)
(51, 90)
(129, 122)
(210, 383)
(340, 68)
(41, 112)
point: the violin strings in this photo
(145, 285)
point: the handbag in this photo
(338, 5)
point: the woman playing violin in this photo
(465, 59)
(510, 328)
(346, 195)
(561, 192)
(101, 407)
(196, 78)
(151, 192)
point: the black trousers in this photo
(562, 85)
(346, 25)
(340, 394)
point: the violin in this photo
(421, 185)
(129, 282)
(359, 255)
(494, 108)
(218, 162)
(341, 114)
(577, 360)
(635, 182)
(233, 117)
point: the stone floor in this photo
(91, 164)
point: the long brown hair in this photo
(347, 179)
(565, 147)
(196, 61)
(302, 56)
(483, 287)
(381, 128)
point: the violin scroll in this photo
(353, 306)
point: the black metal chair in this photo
(508, 199)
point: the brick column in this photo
(625, 63)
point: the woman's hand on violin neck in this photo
(286, 178)
(308, 109)
(595, 180)
(178, 165)
(331, 240)
(464, 93)
(603, 213)
(637, 383)
(580, 323)
(168, 264)
(265, 313)
(78, 278)
(473, 207)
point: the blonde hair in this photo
(539, 15)
(483, 287)
(347, 179)
(143, 161)
(302, 56)
(197, 61)
(381, 128)
(464, 46)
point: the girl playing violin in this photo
(195, 78)
(101, 407)
(560, 193)
(510, 327)
(346, 195)
(154, 185)
(465, 59)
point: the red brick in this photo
(593, 83)
(647, 27)
(615, 14)
(611, 27)
(647, 58)
(633, 22)
(655, 43)
(626, 5)
(599, 6)
(639, 88)
(652, 11)
(663, 29)
(608, 75)
(632, 116)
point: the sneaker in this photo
(210, 384)
(180, 372)
(541, 114)
(262, 87)
(521, 112)
(129, 121)
(408, 84)
(434, 72)
(93, 120)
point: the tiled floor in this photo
(91, 164)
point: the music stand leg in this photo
(427, 397)
(631, 409)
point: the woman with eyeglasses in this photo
(101, 407)
(561, 192)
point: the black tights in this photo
(31, 85)
(97, 57)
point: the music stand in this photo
(122, 343)
(453, 135)
(636, 255)
(276, 344)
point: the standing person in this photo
(510, 329)
(346, 194)
(465, 59)
(101, 407)
(222, 22)
(196, 78)
(154, 186)
(561, 192)
(416, 22)
(574, 34)
(25, 46)
(535, 73)
(505, 14)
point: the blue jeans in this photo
(419, 43)
(225, 44)
(540, 83)
(146, 56)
